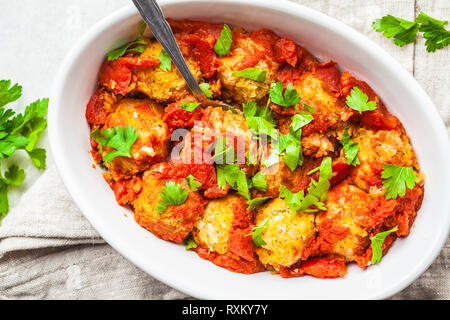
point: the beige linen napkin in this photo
(48, 250)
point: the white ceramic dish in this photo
(324, 37)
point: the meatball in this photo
(287, 234)
(377, 148)
(152, 144)
(247, 52)
(228, 124)
(176, 221)
(163, 86)
(341, 229)
(279, 174)
(223, 235)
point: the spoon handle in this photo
(152, 14)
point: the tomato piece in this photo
(175, 117)
(234, 264)
(340, 171)
(115, 76)
(324, 267)
(240, 243)
(95, 113)
(126, 190)
(286, 51)
(328, 73)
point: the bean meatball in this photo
(152, 144)
(176, 221)
(287, 234)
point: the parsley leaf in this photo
(223, 44)
(301, 119)
(12, 177)
(293, 200)
(38, 157)
(290, 97)
(9, 94)
(359, 101)
(259, 181)
(350, 149)
(256, 203)
(222, 153)
(403, 31)
(172, 194)
(259, 119)
(189, 106)
(193, 183)
(191, 244)
(437, 37)
(256, 234)
(164, 61)
(394, 180)
(291, 144)
(134, 46)
(377, 244)
(119, 138)
(252, 74)
(206, 89)
(234, 176)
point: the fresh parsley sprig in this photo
(119, 138)
(396, 179)
(172, 194)
(165, 63)
(257, 232)
(290, 97)
(260, 119)
(256, 203)
(134, 46)
(19, 131)
(350, 149)
(404, 31)
(189, 106)
(206, 88)
(254, 74)
(193, 183)
(223, 44)
(377, 244)
(359, 101)
(190, 243)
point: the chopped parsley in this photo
(256, 234)
(193, 183)
(119, 138)
(172, 194)
(377, 244)
(19, 131)
(206, 89)
(301, 119)
(289, 98)
(252, 74)
(256, 203)
(317, 191)
(260, 119)
(189, 106)
(235, 177)
(165, 63)
(223, 44)
(395, 178)
(134, 46)
(223, 153)
(259, 181)
(359, 101)
(350, 149)
(191, 244)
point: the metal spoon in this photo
(152, 14)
